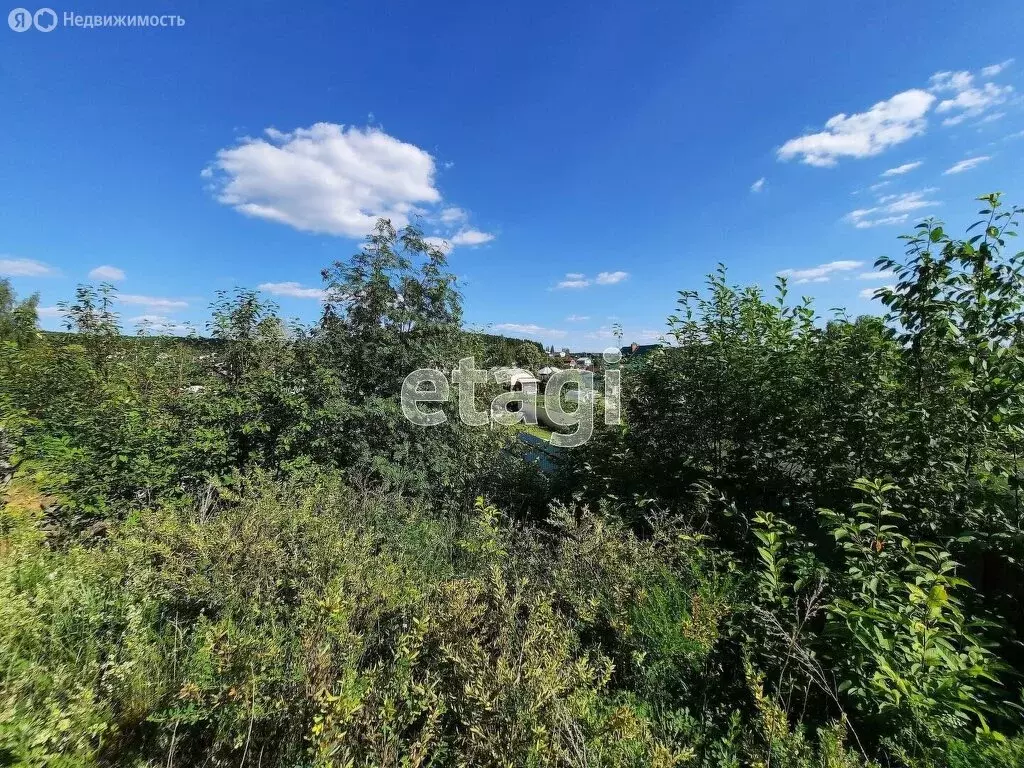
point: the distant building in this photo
(519, 380)
(635, 351)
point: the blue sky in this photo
(587, 160)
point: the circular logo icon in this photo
(20, 20)
(45, 19)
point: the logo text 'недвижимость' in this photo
(47, 20)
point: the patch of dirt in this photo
(25, 496)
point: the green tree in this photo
(392, 308)
(18, 319)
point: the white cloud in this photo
(153, 302)
(529, 329)
(899, 118)
(864, 134)
(994, 69)
(49, 312)
(471, 237)
(973, 102)
(758, 185)
(161, 324)
(908, 201)
(453, 215)
(106, 272)
(968, 99)
(869, 293)
(579, 280)
(648, 335)
(577, 318)
(821, 273)
(892, 209)
(899, 170)
(441, 243)
(573, 282)
(879, 185)
(611, 278)
(966, 165)
(25, 268)
(879, 222)
(950, 81)
(327, 178)
(604, 333)
(294, 290)
(883, 274)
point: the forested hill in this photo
(494, 349)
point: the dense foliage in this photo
(802, 548)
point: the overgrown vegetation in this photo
(803, 548)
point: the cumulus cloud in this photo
(442, 244)
(869, 293)
(957, 95)
(161, 324)
(758, 185)
(892, 209)
(991, 118)
(580, 280)
(965, 97)
(881, 221)
(453, 215)
(530, 329)
(821, 273)
(153, 302)
(950, 81)
(604, 333)
(611, 278)
(471, 237)
(336, 180)
(327, 178)
(974, 101)
(994, 69)
(108, 273)
(294, 290)
(966, 165)
(573, 280)
(899, 170)
(863, 134)
(883, 274)
(10, 267)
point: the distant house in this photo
(546, 371)
(519, 380)
(635, 351)
(583, 362)
(524, 381)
